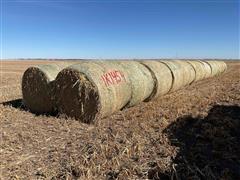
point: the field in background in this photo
(193, 132)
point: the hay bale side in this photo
(207, 69)
(142, 82)
(183, 73)
(214, 67)
(38, 87)
(223, 66)
(189, 71)
(91, 90)
(163, 78)
(219, 67)
(199, 70)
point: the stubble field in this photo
(193, 133)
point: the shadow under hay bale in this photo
(208, 147)
(18, 104)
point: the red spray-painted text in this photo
(113, 77)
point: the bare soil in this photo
(193, 133)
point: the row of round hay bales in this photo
(207, 69)
(93, 89)
(217, 67)
(38, 86)
(183, 73)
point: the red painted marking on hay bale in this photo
(113, 77)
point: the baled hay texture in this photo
(219, 67)
(207, 69)
(190, 73)
(38, 87)
(199, 70)
(223, 66)
(76, 96)
(90, 90)
(162, 76)
(214, 68)
(183, 73)
(142, 82)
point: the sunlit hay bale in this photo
(214, 67)
(207, 69)
(142, 82)
(199, 70)
(162, 76)
(223, 66)
(91, 90)
(219, 67)
(38, 87)
(183, 73)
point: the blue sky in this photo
(120, 29)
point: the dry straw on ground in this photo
(170, 137)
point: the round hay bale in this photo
(223, 66)
(38, 87)
(199, 70)
(214, 68)
(183, 73)
(163, 78)
(91, 90)
(142, 82)
(207, 69)
(219, 65)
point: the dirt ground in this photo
(193, 133)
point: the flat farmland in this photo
(192, 133)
